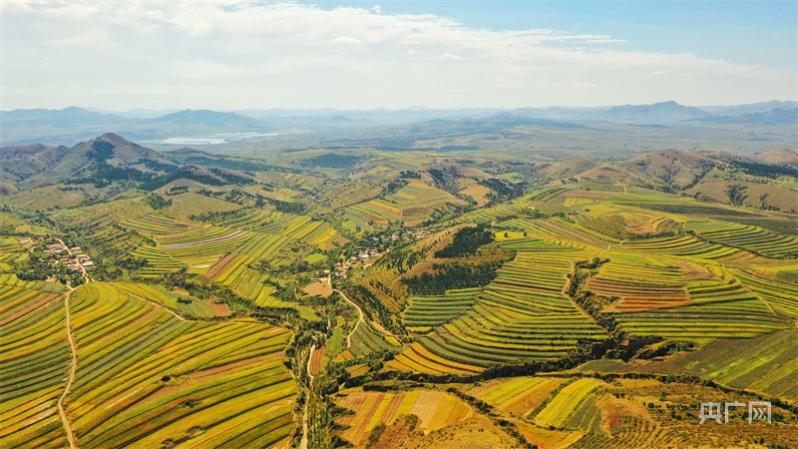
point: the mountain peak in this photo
(113, 147)
(662, 112)
(207, 117)
(113, 138)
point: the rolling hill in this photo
(110, 158)
(36, 165)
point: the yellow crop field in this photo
(560, 408)
(434, 409)
(198, 371)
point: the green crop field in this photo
(321, 299)
(34, 356)
(176, 361)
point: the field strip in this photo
(756, 295)
(161, 306)
(71, 377)
(221, 238)
(124, 397)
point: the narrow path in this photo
(303, 444)
(73, 444)
(162, 307)
(360, 318)
(73, 348)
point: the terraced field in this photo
(234, 269)
(412, 204)
(425, 312)
(183, 305)
(154, 224)
(517, 396)
(563, 411)
(34, 357)
(720, 307)
(366, 340)
(11, 253)
(11, 279)
(780, 294)
(765, 364)
(617, 308)
(751, 238)
(158, 262)
(522, 315)
(685, 245)
(207, 241)
(435, 411)
(559, 409)
(193, 383)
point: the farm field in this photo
(516, 316)
(34, 356)
(412, 204)
(578, 412)
(425, 312)
(176, 362)
(393, 299)
(765, 364)
(439, 416)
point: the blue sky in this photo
(240, 54)
(746, 32)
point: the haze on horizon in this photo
(238, 54)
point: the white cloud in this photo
(347, 40)
(446, 56)
(245, 54)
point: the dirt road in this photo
(73, 365)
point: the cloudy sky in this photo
(350, 54)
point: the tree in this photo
(736, 194)
(763, 200)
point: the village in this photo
(74, 259)
(365, 256)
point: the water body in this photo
(214, 139)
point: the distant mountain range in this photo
(670, 113)
(69, 125)
(74, 124)
(776, 116)
(658, 113)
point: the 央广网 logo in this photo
(719, 412)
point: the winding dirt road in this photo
(73, 365)
(360, 317)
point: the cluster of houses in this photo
(364, 255)
(361, 258)
(73, 258)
